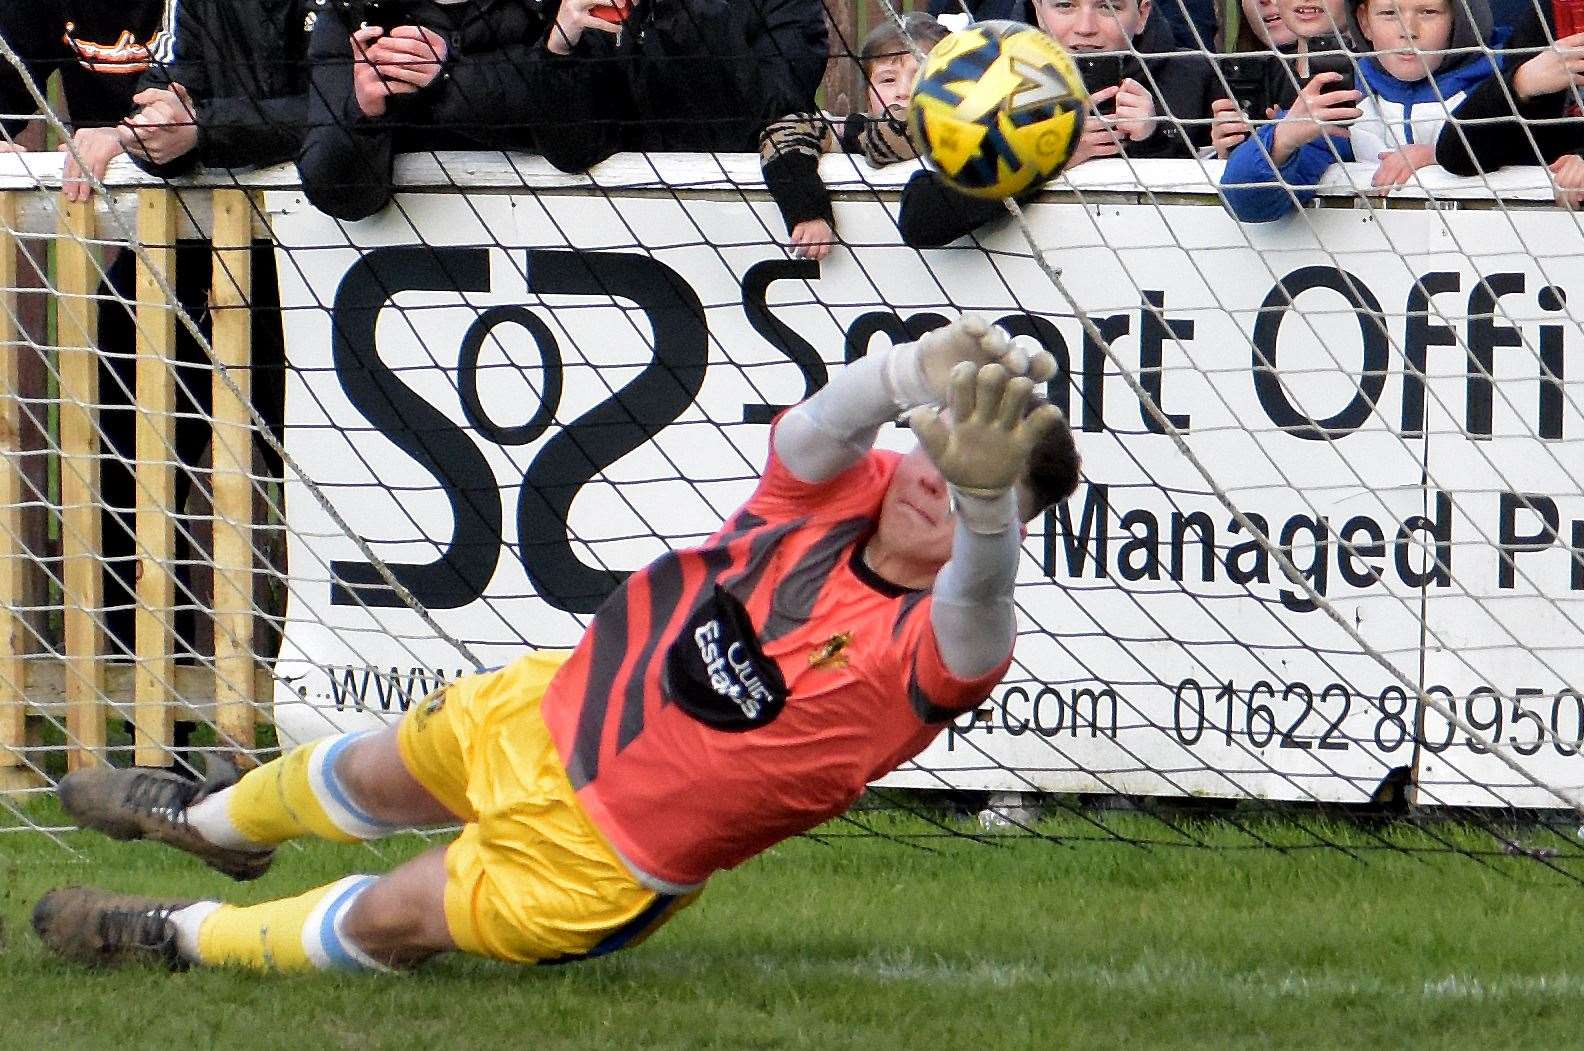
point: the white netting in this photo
(1326, 549)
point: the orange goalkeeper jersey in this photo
(865, 688)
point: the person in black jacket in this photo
(1155, 100)
(234, 92)
(688, 75)
(1544, 80)
(681, 75)
(229, 91)
(410, 75)
(99, 48)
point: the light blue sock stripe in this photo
(337, 953)
(333, 783)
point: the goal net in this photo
(1326, 553)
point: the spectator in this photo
(234, 92)
(672, 75)
(1192, 22)
(418, 75)
(1156, 96)
(790, 148)
(230, 92)
(1261, 84)
(99, 48)
(1154, 100)
(704, 75)
(1425, 63)
(1487, 132)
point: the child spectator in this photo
(1192, 22)
(1153, 100)
(557, 77)
(1155, 96)
(1486, 132)
(1262, 84)
(1425, 63)
(790, 148)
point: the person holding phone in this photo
(1531, 113)
(1267, 61)
(408, 75)
(1425, 62)
(1152, 100)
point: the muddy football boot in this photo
(152, 804)
(101, 929)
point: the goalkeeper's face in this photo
(916, 515)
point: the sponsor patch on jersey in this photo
(718, 673)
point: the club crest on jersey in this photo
(833, 652)
(717, 671)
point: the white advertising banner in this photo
(513, 399)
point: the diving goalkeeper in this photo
(724, 698)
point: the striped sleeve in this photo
(162, 48)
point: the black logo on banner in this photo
(717, 672)
(574, 455)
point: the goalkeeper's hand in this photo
(921, 372)
(985, 448)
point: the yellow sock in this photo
(292, 934)
(299, 794)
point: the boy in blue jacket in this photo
(1418, 75)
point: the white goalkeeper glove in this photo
(985, 448)
(920, 373)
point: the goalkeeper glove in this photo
(920, 373)
(985, 448)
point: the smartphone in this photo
(1334, 62)
(616, 12)
(387, 14)
(1247, 78)
(1569, 17)
(1100, 70)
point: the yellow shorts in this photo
(530, 879)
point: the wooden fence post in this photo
(153, 718)
(15, 594)
(843, 85)
(77, 280)
(230, 306)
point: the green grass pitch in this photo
(865, 942)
